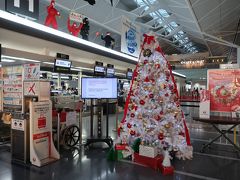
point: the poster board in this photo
(12, 87)
(42, 149)
(38, 88)
(224, 87)
(31, 71)
(130, 38)
(204, 105)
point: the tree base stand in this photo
(107, 140)
(167, 170)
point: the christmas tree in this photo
(152, 111)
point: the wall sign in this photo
(130, 38)
(32, 71)
(27, 8)
(224, 87)
(204, 105)
(18, 124)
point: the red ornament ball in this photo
(142, 102)
(132, 115)
(157, 66)
(129, 125)
(132, 132)
(145, 61)
(160, 136)
(166, 94)
(158, 118)
(161, 113)
(151, 95)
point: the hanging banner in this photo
(32, 71)
(130, 38)
(224, 87)
(204, 105)
(76, 17)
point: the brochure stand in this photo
(42, 149)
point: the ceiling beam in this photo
(209, 12)
(197, 24)
(221, 40)
(218, 42)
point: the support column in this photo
(238, 56)
(79, 82)
(59, 81)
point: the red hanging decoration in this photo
(51, 17)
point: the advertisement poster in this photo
(12, 86)
(224, 87)
(41, 117)
(32, 71)
(130, 38)
(204, 105)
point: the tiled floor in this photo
(219, 162)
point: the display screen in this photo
(62, 66)
(99, 69)
(99, 88)
(129, 75)
(110, 72)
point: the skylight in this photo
(173, 24)
(163, 12)
(160, 17)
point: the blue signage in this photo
(131, 40)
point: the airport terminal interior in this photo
(119, 89)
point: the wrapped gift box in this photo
(120, 146)
(155, 163)
(148, 151)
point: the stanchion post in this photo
(58, 131)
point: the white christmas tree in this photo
(152, 111)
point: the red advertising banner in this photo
(224, 87)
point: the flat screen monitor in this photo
(129, 75)
(99, 70)
(62, 66)
(99, 88)
(110, 72)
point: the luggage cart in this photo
(68, 125)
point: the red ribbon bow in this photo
(148, 39)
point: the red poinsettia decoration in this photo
(147, 79)
(142, 102)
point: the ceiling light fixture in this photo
(8, 60)
(11, 17)
(50, 63)
(18, 58)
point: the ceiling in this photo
(210, 25)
